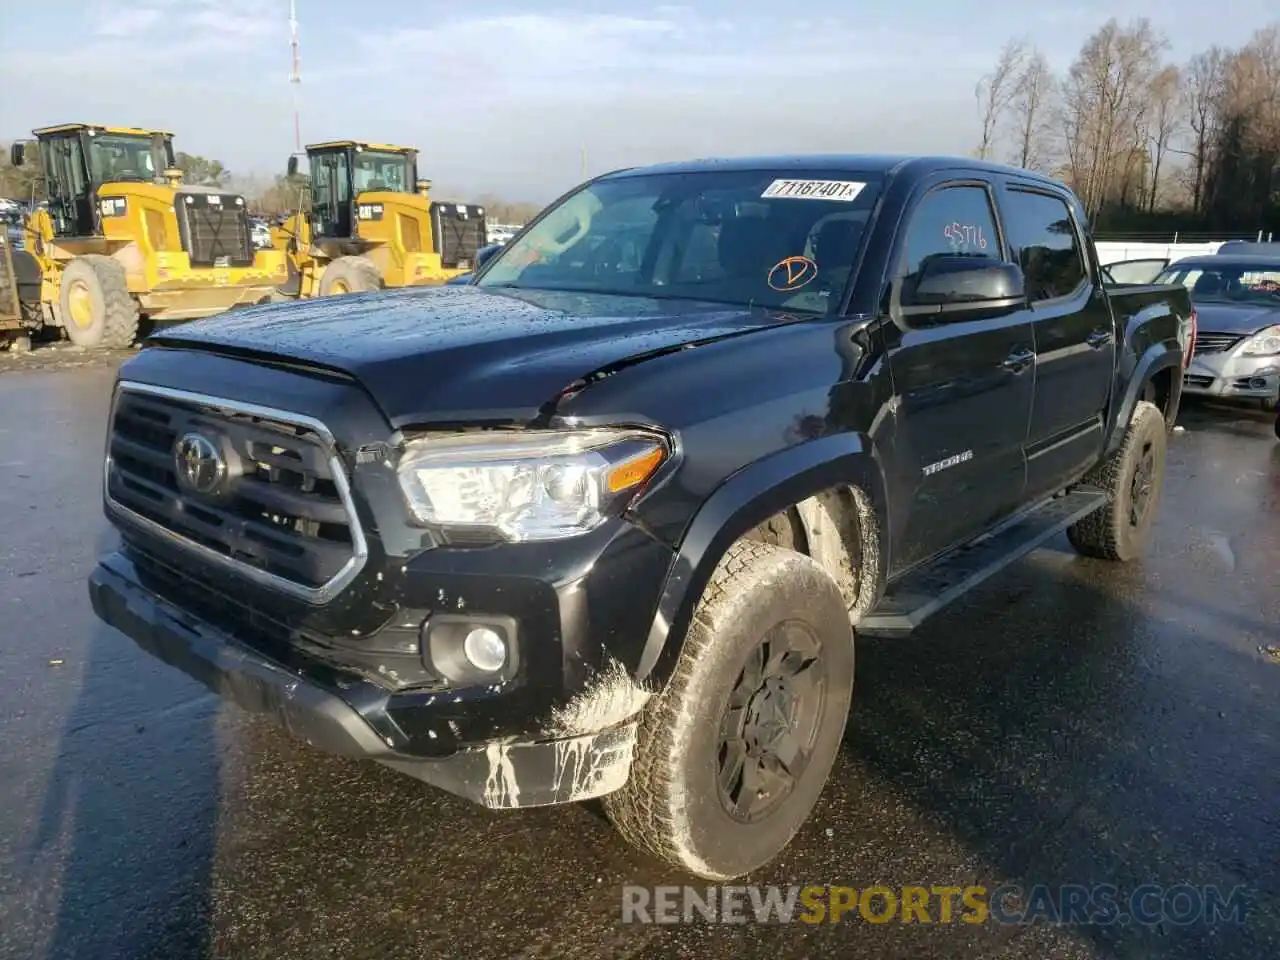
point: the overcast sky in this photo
(507, 98)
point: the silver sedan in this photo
(1237, 302)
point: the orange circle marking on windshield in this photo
(792, 273)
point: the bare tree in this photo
(1105, 110)
(995, 92)
(1033, 90)
(1165, 122)
(1244, 153)
(1205, 86)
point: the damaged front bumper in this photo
(342, 717)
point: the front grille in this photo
(1196, 380)
(279, 509)
(214, 229)
(1215, 342)
(459, 231)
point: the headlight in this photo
(1264, 343)
(526, 485)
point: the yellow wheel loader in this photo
(372, 224)
(122, 239)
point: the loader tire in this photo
(96, 308)
(732, 756)
(349, 275)
(1132, 478)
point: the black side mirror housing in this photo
(292, 166)
(17, 154)
(960, 287)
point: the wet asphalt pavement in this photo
(1069, 722)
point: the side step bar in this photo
(923, 592)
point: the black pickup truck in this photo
(604, 521)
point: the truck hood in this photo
(1236, 318)
(462, 353)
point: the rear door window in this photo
(1044, 242)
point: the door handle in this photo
(1019, 360)
(1098, 339)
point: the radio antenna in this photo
(295, 75)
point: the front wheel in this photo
(1133, 478)
(732, 756)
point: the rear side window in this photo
(1044, 243)
(950, 221)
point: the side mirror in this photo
(17, 154)
(960, 287)
(292, 166)
(485, 254)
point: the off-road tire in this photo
(1109, 533)
(355, 274)
(113, 313)
(670, 806)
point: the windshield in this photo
(1228, 282)
(762, 238)
(372, 170)
(114, 157)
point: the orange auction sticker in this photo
(792, 273)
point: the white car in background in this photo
(501, 235)
(260, 233)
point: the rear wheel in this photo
(733, 755)
(349, 275)
(96, 307)
(1133, 478)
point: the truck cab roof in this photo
(58, 128)
(861, 163)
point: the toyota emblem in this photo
(198, 463)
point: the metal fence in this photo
(1178, 236)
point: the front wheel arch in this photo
(839, 466)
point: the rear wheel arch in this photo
(1158, 371)
(1164, 389)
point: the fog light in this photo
(471, 649)
(485, 649)
(1257, 383)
